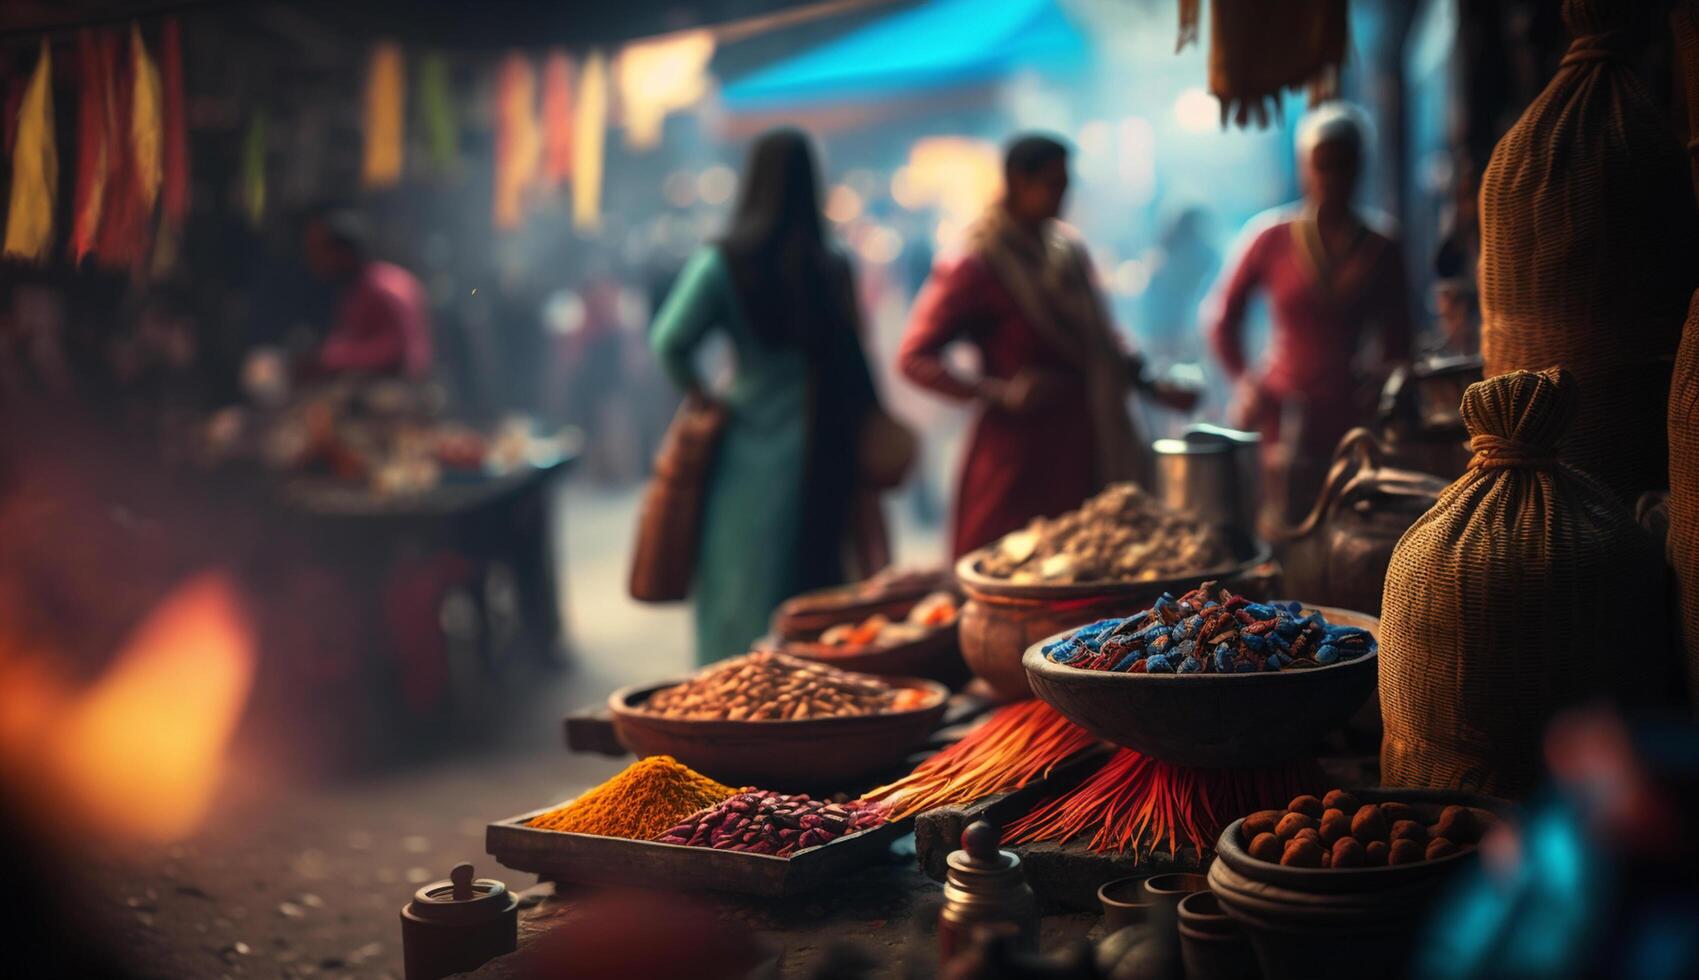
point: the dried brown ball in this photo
(1395, 812)
(1404, 851)
(1301, 854)
(1308, 833)
(1374, 853)
(1458, 824)
(1334, 825)
(1348, 852)
(1409, 830)
(1262, 822)
(1338, 799)
(1309, 806)
(1267, 847)
(1290, 824)
(1369, 824)
(1439, 847)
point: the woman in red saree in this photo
(1332, 283)
(1053, 427)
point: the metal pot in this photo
(1213, 472)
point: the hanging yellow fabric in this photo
(589, 139)
(147, 124)
(658, 77)
(518, 142)
(35, 169)
(385, 106)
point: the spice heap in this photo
(1210, 631)
(1122, 534)
(772, 686)
(1137, 803)
(936, 610)
(1337, 831)
(1016, 745)
(645, 799)
(764, 822)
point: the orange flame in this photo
(138, 754)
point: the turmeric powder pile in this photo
(641, 803)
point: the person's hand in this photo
(1026, 392)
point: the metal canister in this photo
(985, 891)
(1212, 472)
(458, 925)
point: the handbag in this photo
(669, 523)
(885, 450)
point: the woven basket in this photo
(1684, 491)
(1526, 589)
(1590, 249)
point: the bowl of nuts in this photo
(775, 720)
(1112, 556)
(1210, 678)
(1360, 867)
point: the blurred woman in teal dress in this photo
(776, 514)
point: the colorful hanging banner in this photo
(35, 169)
(658, 77)
(557, 118)
(385, 107)
(176, 203)
(121, 239)
(96, 123)
(589, 143)
(518, 143)
(437, 118)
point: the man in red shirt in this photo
(382, 322)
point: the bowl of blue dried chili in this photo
(1209, 678)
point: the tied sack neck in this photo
(1516, 420)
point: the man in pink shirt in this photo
(382, 322)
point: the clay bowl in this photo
(1214, 720)
(1321, 922)
(999, 619)
(808, 615)
(775, 754)
(936, 656)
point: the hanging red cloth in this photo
(94, 150)
(557, 118)
(176, 191)
(122, 236)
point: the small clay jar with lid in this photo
(458, 925)
(985, 890)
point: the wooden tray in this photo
(592, 860)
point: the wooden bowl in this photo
(936, 656)
(808, 615)
(1214, 720)
(775, 754)
(1001, 619)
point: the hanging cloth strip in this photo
(35, 169)
(176, 191)
(385, 104)
(517, 140)
(557, 118)
(96, 123)
(437, 118)
(589, 143)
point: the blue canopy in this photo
(939, 44)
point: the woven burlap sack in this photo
(1684, 492)
(1527, 588)
(1590, 248)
